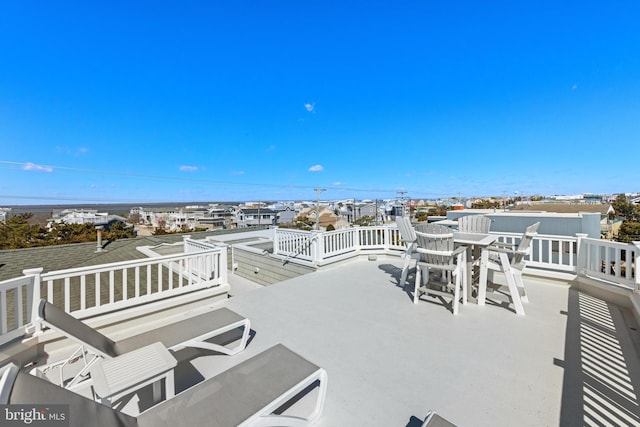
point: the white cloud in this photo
(316, 168)
(37, 168)
(575, 86)
(237, 173)
(337, 183)
(185, 168)
(310, 107)
(270, 148)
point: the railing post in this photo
(317, 246)
(186, 247)
(637, 266)
(581, 255)
(224, 273)
(276, 236)
(33, 299)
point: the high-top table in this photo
(126, 373)
(476, 242)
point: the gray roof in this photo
(61, 257)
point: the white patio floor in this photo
(390, 361)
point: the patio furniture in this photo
(438, 253)
(408, 236)
(434, 420)
(512, 263)
(112, 378)
(195, 332)
(474, 224)
(477, 255)
(191, 332)
(254, 392)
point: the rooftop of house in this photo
(573, 359)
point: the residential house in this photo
(253, 217)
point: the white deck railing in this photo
(100, 289)
(16, 303)
(616, 263)
(549, 254)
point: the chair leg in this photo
(417, 284)
(405, 268)
(520, 284)
(456, 293)
(511, 283)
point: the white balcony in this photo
(572, 360)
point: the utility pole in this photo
(402, 193)
(318, 191)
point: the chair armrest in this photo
(460, 249)
(502, 244)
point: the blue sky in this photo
(200, 101)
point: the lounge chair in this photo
(434, 420)
(408, 236)
(191, 332)
(254, 392)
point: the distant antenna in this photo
(318, 191)
(402, 193)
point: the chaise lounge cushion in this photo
(170, 335)
(28, 389)
(233, 396)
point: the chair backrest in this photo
(76, 329)
(524, 247)
(407, 232)
(474, 224)
(435, 244)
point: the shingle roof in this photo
(564, 207)
(61, 257)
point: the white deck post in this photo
(637, 245)
(581, 255)
(317, 246)
(33, 299)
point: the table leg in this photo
(482, 285)
(169, 386)
(469, 276)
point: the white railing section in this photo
(547, 252)
(99, 289)
(208, 268)
(293, 244)
(16, 302)
(614, 262)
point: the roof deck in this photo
(572, 360)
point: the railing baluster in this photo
(83, 292)
(19, 308)
(112, 287)
(3, 312)
(148, 279)
(98, 291)
(125, 287)
(67, 294)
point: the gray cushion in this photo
(173, 334)
(28, 389)
(234, 395)
(75, 328)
